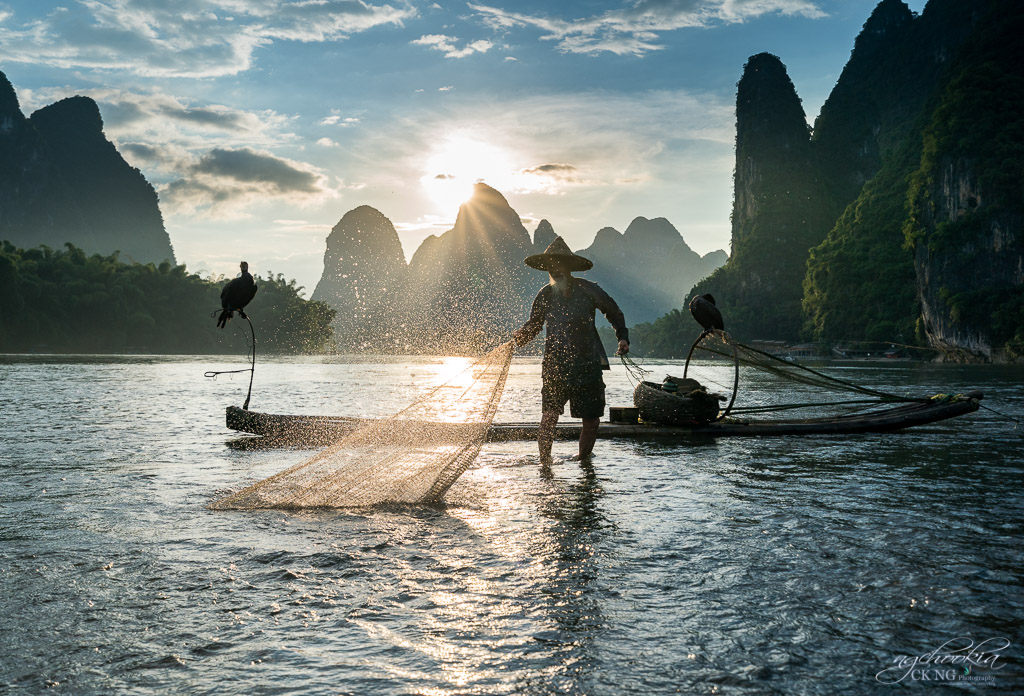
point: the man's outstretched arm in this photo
(528, 331)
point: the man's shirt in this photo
(573, 352)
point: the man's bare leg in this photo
(546, 434)
(588, 435)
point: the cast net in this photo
(413, 456)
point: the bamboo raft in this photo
(319, 430)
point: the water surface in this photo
(736, 566)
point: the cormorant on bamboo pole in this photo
(236, 295)
(703, 309)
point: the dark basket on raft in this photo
(689, 406)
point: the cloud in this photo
(142, 151)
(551, 178)
(326, 142)
(161, 117)
(446, 88)
(224, 182)
(248, 166)
(337, 120)
(551, 169)
(634, 30)
(187, 38)
(446, 44)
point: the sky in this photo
(261, 123)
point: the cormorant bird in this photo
(236, 295)
(703, 309)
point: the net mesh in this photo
(413, 456)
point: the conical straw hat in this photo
(558, 250)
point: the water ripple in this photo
(752, 566)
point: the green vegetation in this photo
(919, 185)
(65, 301)
(966, 199)
(860, 283)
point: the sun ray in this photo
(457, 163)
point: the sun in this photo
(458, 162)
(448, 191)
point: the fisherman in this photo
(573, 354)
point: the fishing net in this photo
(755, 384)
(413, 456)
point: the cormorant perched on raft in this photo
(236, 295)
(703, 309)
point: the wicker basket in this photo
(665, 408)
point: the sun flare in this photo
(457, 163)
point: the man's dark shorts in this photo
(585, 400)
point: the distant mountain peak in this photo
(360, 213)
(79, 112)
(887, 16)
(488, 219)
(486, 195)
(764, 62)
(10, 109)
(656, 227)
(62, 181)
(606, 236)
(367, 228)
(657, 235)
(767, 105)
(543, 235)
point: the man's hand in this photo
(623, 348)
(519, 339)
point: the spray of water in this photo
(413, 456)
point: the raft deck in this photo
(318, 430)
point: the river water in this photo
(739, 566)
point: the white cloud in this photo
(337, 120)
(447, 45)
(186, 38)
(326, 142)
(635, 29)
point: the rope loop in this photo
(212, 374)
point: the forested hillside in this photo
(67, 301)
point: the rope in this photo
(806, 404)
(635, 373)
(1015, 421)
(251, 370)
(819, 379)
